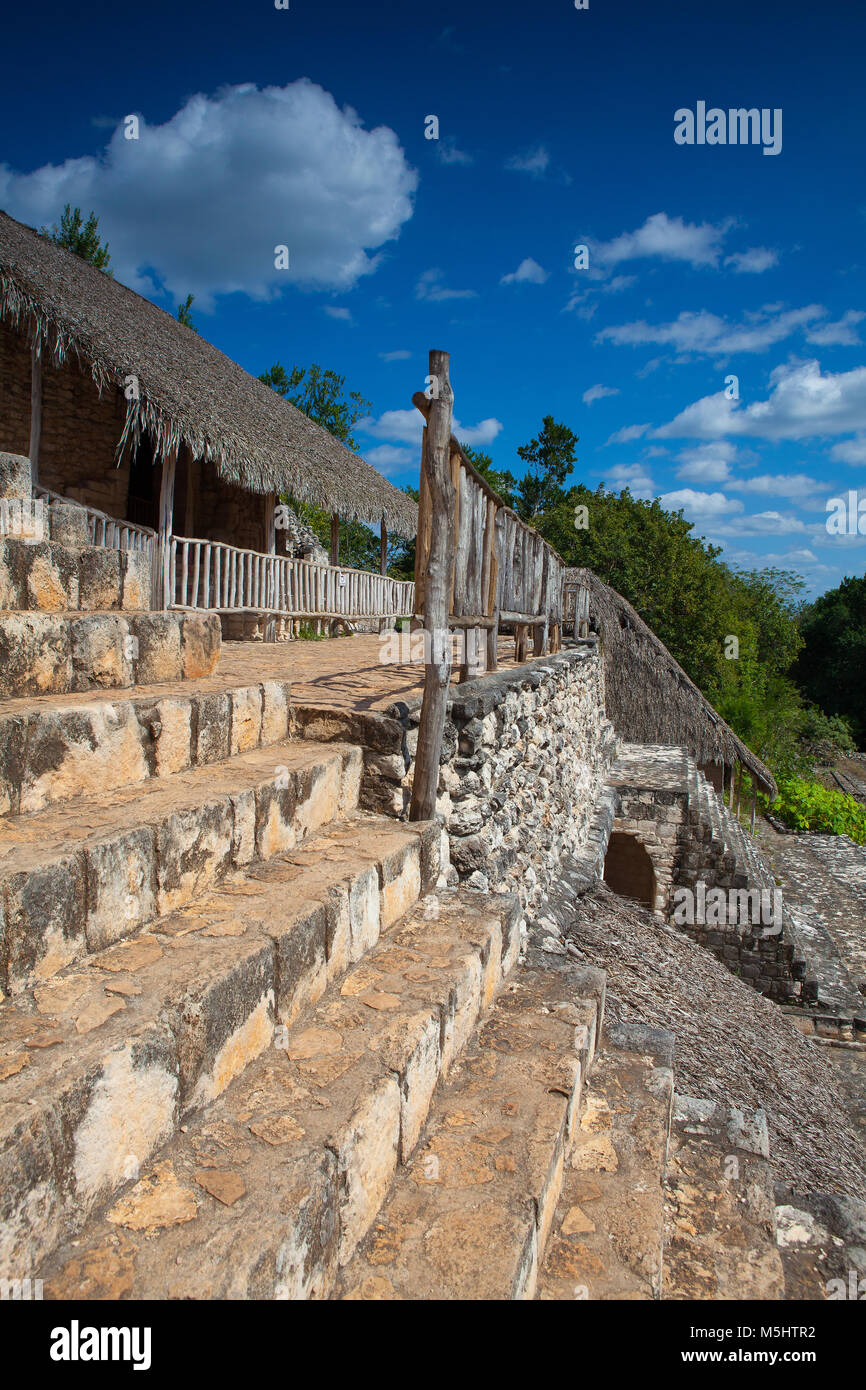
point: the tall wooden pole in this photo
(383, 548)
(437, 591)
(335, 539)
(35, 414)
(166, 524)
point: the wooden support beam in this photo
(739, 786)
(35, 414)
(192, 481)
(166, 526)
(335, 539)
(383, 547)
(754, 808)
(437, 588)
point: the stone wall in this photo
(80, 428)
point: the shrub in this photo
(809, 806)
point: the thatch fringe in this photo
(650, 699)
(189, 393)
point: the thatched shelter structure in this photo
(123, 408)
(650, 699)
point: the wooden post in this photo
(192, 478)
(437, 592)
(335, 539)
(35, 414)
(739, 785)
(754, 806)
(383, 547)
(166, 523)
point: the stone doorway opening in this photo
(628, 869)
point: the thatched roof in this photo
(189, 392)
(650, 699)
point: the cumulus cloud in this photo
(199, 203)
(839, 334)
(628, 434)
(391, 458)
(796, 486)
(405, 426)
(398, 355)
(668, 239)
(598, 393)
(803, 403)
(754, 261)
(338, 312)
(703, 506)
(634, 476)
(708, 334)
(449, 153)
(430, 286)
(708, 463)
(529, 272)
(851, 451)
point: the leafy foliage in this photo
(808, 806)
(832, 666)
(80, 237)
(184, 315)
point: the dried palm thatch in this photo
(188, 392)
(650, 699)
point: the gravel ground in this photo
(732, 1045)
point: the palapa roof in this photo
(189, 392)
(650, 699)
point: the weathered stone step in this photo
(103, 1062)
(607, 1235)
(822, 1242)
(268, 1191)
(67, 748)
(48, 576)
(720, 1235)
(55, 653)
(80, 876)
(469, 1216)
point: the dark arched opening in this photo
(628, 869)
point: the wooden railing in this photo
(225, 579)
(106, 530)
(503, 571)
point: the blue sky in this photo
(305, 127)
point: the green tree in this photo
(550, 458)
(831, 668)
(320, 394)
(80, 237)
(184, 315)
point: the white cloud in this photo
(202, 200)
(430, 286)
(338, 312)
(708, 463)
(449, 153)
(533, 161)
(399, 355)
(702, 506)
(803, 403)
(754, 261)
(839, 334)
(627, 434)
(528, 272)
(706, 333)
(404, 426)
(665, 238)
(851, 451)
(390, 458)
(796, 486)
(598, 393)
(634, 476)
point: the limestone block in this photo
(12, 736)
(201, 640)
(50, 576)
(136, 576)
(15, 476)
(11, 577)
(246, 719)
(301, 962)
(212, 727)
(35, 654)
(194, 850)
(169, 725)
(99, 652)
(159, 648)
(81, 752)
(68, 524)
(99, 579)
(44, 910)
(275, 711)
(121, 888)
